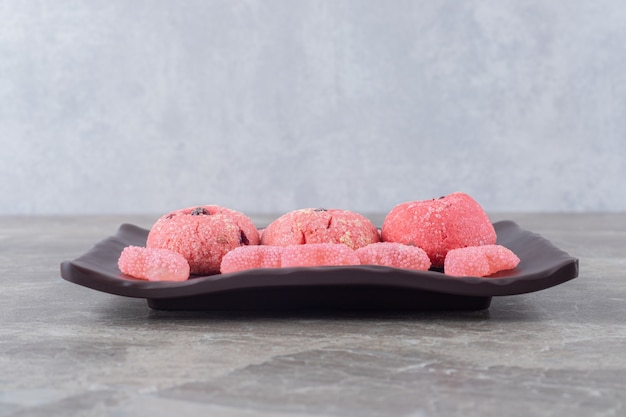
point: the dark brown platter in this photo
(542, 265)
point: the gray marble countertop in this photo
(72, 351)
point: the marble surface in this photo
(69, 350)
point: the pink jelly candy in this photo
(318, 254)
(153, 264)
(249, 257)
(395, 255)
(479, 261)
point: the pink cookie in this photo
(153, 264)
(439, 225)
(321, 226)
(249, 257)
(203, 235)
(318, 254)
(395, 255)
(479, 261)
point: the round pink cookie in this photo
(318, 254)
(439, 225)
(153, 264)
(479, 261)
(310, 225)
(395, 255)
(203, 235)
(249, 257)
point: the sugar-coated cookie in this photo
(439, 225)
(311, 225)
(203, 235)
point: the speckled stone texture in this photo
(69, 350)
(268, 106)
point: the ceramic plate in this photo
(542, 265)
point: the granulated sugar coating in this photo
(439, 225)
(203, 235)
(479, 261)
(318, 254)
(249, 257)
(153, 264)
(395, 255)
(306, 226)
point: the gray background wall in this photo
(117, 106)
